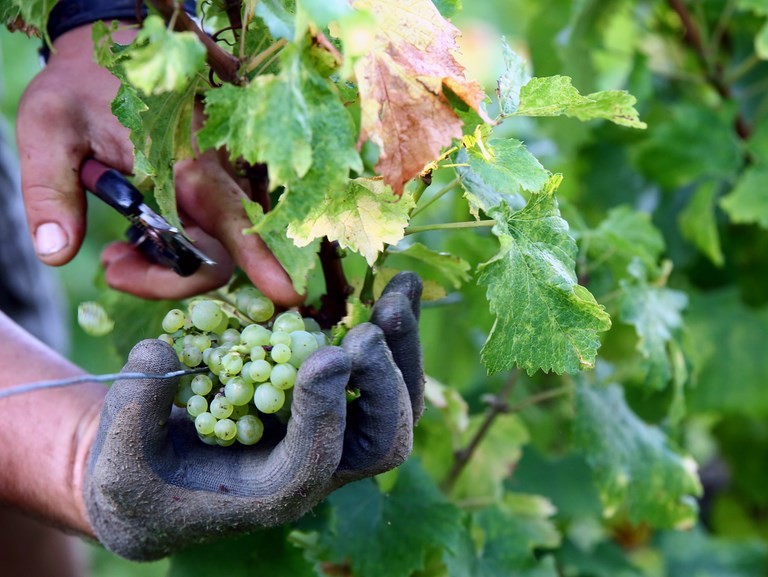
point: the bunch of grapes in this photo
(252, 360)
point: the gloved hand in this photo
(152, 487)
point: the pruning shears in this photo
(160, 242)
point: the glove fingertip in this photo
(152, 356)
(408, 284)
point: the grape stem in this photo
(450, 225)
(337, 289)
(107, 378)
(498, 405)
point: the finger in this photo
(408, 284)
(54, 136)
(379, 434)
(394, 313)
(305, 460)
(209, 195)
(128, 270)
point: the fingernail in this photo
(50, 238)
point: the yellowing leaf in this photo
(401, 82)
(362, 218)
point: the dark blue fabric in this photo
(69, 14)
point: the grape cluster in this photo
(252, 364)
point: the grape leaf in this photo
(364, 217)
(479, 194)
(320, 12)
(633, 464)
(454, 268)
(544, 319)
(726, 342)
(401, 82)
(135, 319)
(265, 552)
(511, 82)
(277, 17)
(506, 166)
(163, 60)
(748, 201)
(499, 541)
(388, 535)
(298, 262)
(448, 8)
(555, 96)
(656, 314)
(698, 553)
(33, 13)
(698, 225)
(623, 236)
(756, 6)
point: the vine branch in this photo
(225, 65)
(713, 73)
(333, 303)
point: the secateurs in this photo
(149, 232)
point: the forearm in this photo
(45, 435)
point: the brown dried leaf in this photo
(401, 82)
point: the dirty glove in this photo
(153, 487)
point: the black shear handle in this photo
(111, 187)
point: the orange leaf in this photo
(401, 81)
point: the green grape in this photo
(173, 321)
(258, 353)
(225, 429)
(280, 338)
(249, 430)
(255, 335)
(321, 338)
(202, 342)
(223, 443)
(183, 394)
(281, 353)
(244, 296)
(204, 423)
(260, 371)
(283, 376)
(230, 337)
(206, 315)
(222, 326)
(245, 373)
(311, 325)
(268, 399)
(202, 384)
(208, 439)
(303, 344)
(239, 411)
(225, 377)
(94, 320)
(166, 339)
(238, 391)
(196, 405)
(214, 360)
(221, 407)
(260, 309)
(232, 363)
(288, 322)
(191, 356)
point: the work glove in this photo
(152, 487)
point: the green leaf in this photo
(163, 60)
(623, 236)
(448, 8)
(278, 16)
(698, 225)
(479, 194)
(756, 6)
(364, 218)
(656, 314)
(320, 12)
(634, 466)
(135, 319)
(697, 553)
(555, 96)
(511, 82)
(678, 152)
(761, 42)
(453, 268)
(506, 166)
(726, 342)
(748, 201)
(544, 319)
(266, 552)
(298, 262)
(34, 14)
(606, 559)
(499, 541)
(389, 535)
